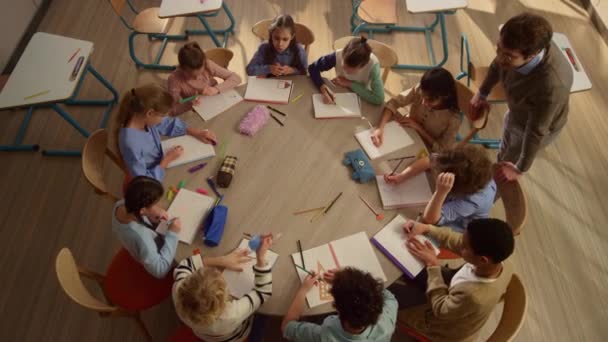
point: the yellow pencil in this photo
(37, 94)
(297, 98)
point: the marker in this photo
(74, 55)
(212, 186)
(37, 94)
(297, 98)
(187, 99)
(202, 191)
(197, 167)
(170, 195)
(277, 120)
(181, 184)
(174, 189)
(276, 110)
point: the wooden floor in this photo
(46, 203)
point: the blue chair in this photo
(474, 79)
(148, 23)
(380, 16)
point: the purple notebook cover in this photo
(392, 258)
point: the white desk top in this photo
(44, 66)
(580, 80)
(424, 6)
(179, 8)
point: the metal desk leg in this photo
(210, 31)
(17, 146)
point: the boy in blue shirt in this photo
(366, 311)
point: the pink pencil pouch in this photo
(253, 121)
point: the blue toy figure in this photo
(362, 168)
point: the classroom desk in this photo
(44, 69)
(202, 9)
(285, 169)
(438, 7)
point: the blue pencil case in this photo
(214, 225)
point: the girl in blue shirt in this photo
(281, 55)
(133, 221)
(141, 120)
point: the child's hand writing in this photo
(378, 136)
(174, 153)
(393, 178)
(176, 225)
(328, 95)
(209, 91)
(309, 282)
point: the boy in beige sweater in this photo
(457, 308)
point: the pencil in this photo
(396, 167)
(37, 94)
(276, 110)
(301, 255)
(297, 98)
(401, 158)
(307, 271)
(307, 210)
(184, 100)
(74, 55)
(277, 120)
(332, 203)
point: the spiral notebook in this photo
(194, 149)
(240, 283)
(354, 250)
(191, 208)
(391, 240)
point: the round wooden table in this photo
(283, 169)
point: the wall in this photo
(15, 22)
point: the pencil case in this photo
(214, 225)
(363, 171)
(226, 172)
(253, 121)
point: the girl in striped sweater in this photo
(202, 300)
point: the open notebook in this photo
(194, 149)
(211, 106)
(415, 191)
(269, 90)
(395, 138)
(354, 250)
(391, 241)
(347, 106)
(191, 208)
(240, 283)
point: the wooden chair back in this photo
(386, 55)
(513, 312)
(68, 274)
(515, 204)
(464, 99)
(93, 158)
(304, 35)
(221, 56)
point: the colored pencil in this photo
(307, 211)
(277, 120)
(310, 273)
(401, 158)
(332, 203)
(297, 98)
(74, 55)
(37, 94)
(301, 255)
(396, 167)
(276, 110)
(187, 99)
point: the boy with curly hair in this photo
(366, 311)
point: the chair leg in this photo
(141, 64)
(142, 326)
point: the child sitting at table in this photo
(202, 300)
(357, 69)
(366, 311)
(133, 221)
(433, 113)
(464, 189)
(196, 75)
(281, 55)
(453, 305)
(141, 120)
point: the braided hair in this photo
(284, 21)
(142, 192)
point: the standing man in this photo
(537, 82)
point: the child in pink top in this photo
(196, 75)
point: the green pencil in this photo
(303, 269)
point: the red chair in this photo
(128, 284)
(184, 334)
(127, 287)
(411, 332)
(447, 254)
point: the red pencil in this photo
(74, 55)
